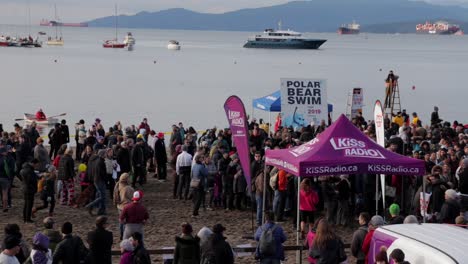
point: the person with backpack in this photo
(71, 250)
(270, 237)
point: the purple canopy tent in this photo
(341, 149)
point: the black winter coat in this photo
(69, 251)
(141, 256)
(438, 193)
(222, 250)
(138, 156)
(29, 179)
(100, 244)
(7, 172)
(449, 211)
(463, 183)
(328, 255)
(122, 156)
(160, 151)
(64, 135)
(96, 169)
(187, 250)
(23, 154)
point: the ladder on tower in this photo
(392, 103)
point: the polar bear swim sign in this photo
(303, 101)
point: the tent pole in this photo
(424, 200)
(298, 221)
(402, 194)
(264, 192)
(376, 194)
(269, 123)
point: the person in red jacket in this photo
(134, 216)
(40, 115)
(280, 195)
(278, 122)
(375, 222)
(308, 200)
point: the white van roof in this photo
(449, 240)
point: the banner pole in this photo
(298, 220)
(424, 200)
(264, 192)
(269, 123)
(376, 194)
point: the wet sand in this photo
(166, 216)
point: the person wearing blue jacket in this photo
(199, 175)
(279, 237)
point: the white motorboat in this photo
(173, 45)
(129, 41)
(30, 118)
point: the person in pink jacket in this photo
(126, 250)
(308, 200)
(309, 241)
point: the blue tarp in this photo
(272, 103)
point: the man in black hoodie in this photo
(358, 238)
(29, 177)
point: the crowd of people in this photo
(108, 165)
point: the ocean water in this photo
(87, 81)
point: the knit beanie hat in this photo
(376, 221)
(394, 209)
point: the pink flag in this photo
(237, 118)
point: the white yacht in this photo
(173, 45)
(129, 41)
(282, 39)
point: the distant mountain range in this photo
(379, 16)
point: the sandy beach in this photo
(166, 216)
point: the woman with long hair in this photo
(308, 201)
(309, 242)
(327, 247)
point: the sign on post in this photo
(303, 101)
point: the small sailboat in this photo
(173, 45)
(57, 41)
(28, 42)
(114, 43)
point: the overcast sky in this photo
(16, 11)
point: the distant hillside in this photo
(309, 16)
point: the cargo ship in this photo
(349, 29)
(439, 28)
(52, 23)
